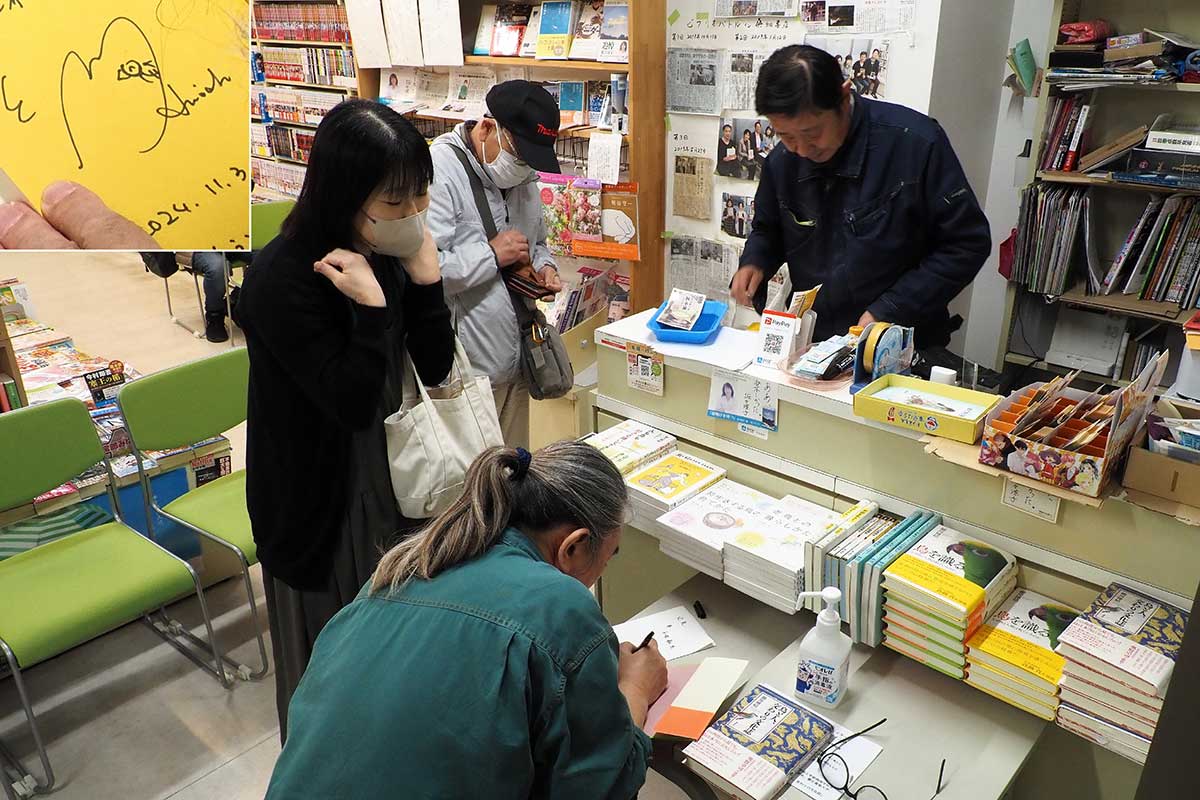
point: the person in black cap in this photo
(505, 150)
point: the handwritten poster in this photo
(136, 101)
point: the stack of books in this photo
(938, 593)
(670, 481)
(1120, 654)
(1011, 656)
(1052, 217)
(631, 444)
(1062, 141)
(764, 741)
(697, 531)
(849, 521)
(768, 563)
(295, 22)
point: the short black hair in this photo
(727, 125)
(360, 145)
(798, 79)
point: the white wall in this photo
(986, 338)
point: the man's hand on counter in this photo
(866, 319)
(745, 284)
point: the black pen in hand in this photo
(645, 641)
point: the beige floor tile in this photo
(244, 778)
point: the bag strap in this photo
(525, 315)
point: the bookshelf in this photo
(363, 86)
(8, 361)
(1116, 205)
(604, 67)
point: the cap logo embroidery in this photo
(544, 131)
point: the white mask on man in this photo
(506, 169)
(401, 238)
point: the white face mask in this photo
(506, 169)
(401, 238)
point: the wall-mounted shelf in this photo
(558, 65)
(301, 43)
(1127, 304)
(1102, 179)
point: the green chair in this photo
(265, 221)
(68, 591)
(177, 408)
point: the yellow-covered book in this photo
(672, 479)
(952, 573)
(1018, 640)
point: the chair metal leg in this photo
(171, 311)
(172, 631)
(29, 785)
(262, 644)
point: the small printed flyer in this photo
(644, 368)
(737, 397)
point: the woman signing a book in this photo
(476, 663)
(329, 310)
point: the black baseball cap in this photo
(530, 115)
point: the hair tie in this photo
(524, 459)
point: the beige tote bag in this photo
(436, 435)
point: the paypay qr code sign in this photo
(644, 368)
(775, 344)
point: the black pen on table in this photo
(645, 641)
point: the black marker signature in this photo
(89, 67)
(147, 71)
(11, 5)
(175, 213)
(14, 108)
(185, 106)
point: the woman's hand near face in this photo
(423, 268)
(353, 277)
(641, 677)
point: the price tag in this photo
(1032, 501)
(644, 368)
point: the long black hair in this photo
(798, 79)
(360, 145)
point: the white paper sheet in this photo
(366, 29)
(731, 349)
(441, 33)
(858, 755)
(604, 157)
(678, 632)
(403, 38)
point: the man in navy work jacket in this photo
(865, 197)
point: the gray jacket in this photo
(475, 292)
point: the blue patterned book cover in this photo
(1139, 636)
(760, 744)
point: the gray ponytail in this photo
(567, 482)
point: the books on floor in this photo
(768, 563)
(669, 481)
(759, 745)
(697, 531)
(631, 444)
(938, 593)
(1119, 658)
(1012, 656)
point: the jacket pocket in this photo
(797, 224)
(874, 219)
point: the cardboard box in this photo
(1163, 476)
(920, 417)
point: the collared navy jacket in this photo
(888, 225)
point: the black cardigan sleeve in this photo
(429, 334)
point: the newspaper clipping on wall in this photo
(858, 16)
(692, 191)
(702, 265)
(755, 8)
(695, 80)
(742, 75)
(467, 92)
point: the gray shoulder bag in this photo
(544, 361)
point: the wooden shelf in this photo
(286, 123)
(555, 64)
(1102, 179)
(1128, 305)
(8, 362)
(571, 133)
(301, 84)
(301, 43)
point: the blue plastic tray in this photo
(704, 331)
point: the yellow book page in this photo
(143, 101)
(953, 588)
(1020, 652)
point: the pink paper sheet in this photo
(677, 678)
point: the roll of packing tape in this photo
(873, 336)
(943, 375)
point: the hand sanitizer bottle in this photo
(824, 654)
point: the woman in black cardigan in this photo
(328, 310)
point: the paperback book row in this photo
(1159, 259)
(596, 291)
(285, 104)
(280, 178)
(322, 66)
(589, 219)
(301, 22)
(1147, 57)
(595, 30)
(281, 142)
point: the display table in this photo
(985, 742)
